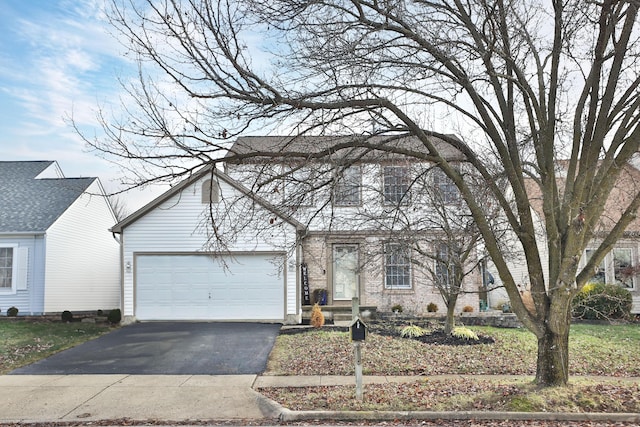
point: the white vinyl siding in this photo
(179, 226)
(82, 257)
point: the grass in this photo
(595, 350)
(23, 342)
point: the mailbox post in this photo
(358, 333)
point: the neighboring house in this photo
(226, 246)
(620, 266)
(56, 251)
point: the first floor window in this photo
(623, 267)
(599, 273)
(616, 267)
(397, 266)
(6, 268)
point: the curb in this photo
(288, 415)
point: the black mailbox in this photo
(358, 330)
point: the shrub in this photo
(397, 308)
(114, 316)
(12, 311)
(467, 309)
(599, 301)
(317, 318)
(432, 307)
(66, 316)
(464, 333)
(412, 331)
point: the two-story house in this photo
(371, 215)
(254, 236)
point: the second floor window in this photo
(396, 185)
(348, 186)
(298, 187)
(446, 188)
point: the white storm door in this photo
(345, 272)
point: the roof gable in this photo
(29, 204)
(208, 170)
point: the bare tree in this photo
(527, 82)
(119, 206)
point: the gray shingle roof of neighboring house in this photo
(30, 205)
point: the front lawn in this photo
(595, 350)
(25, 341)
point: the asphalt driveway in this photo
(167, 348)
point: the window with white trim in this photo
(617, 267)
(397, 266)
(348, 187)
(599, 272)
(623, 270)
(447, 189)
(396, 181)
(7, 270)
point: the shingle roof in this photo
(28, 204)
(350, 147)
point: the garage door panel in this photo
(199, 287)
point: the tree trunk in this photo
(450, 321)
(553, 352)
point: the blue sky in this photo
(57, 59)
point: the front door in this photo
(345, 272)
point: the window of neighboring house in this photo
(617, 267)
(599, 273)
(298, 187)
(6, 269)
(397, 266)
(348, 186)
(444, 267)
(210, 192)
(623, 271)
(447, 189)
(396, 181)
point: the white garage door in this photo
(199, 287)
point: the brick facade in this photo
(317, 254)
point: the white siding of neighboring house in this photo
(177, 225)
(29, 295)
(517, 264)
(82, 257)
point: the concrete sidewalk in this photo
(179, 398)
(41, 398)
